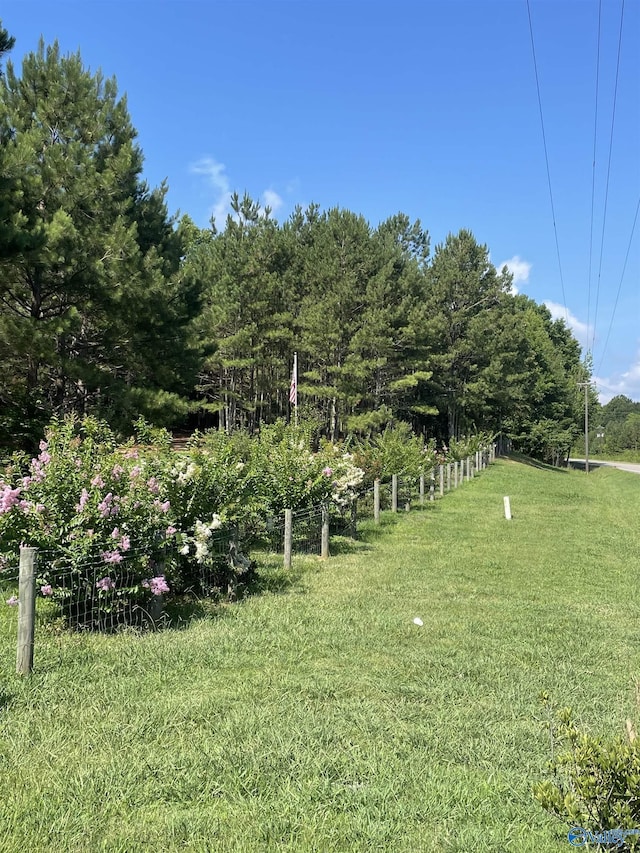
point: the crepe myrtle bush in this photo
(464, 446)
(111, 517)
(107, 516)
(213, 472)
(395, 450)
(287, 473)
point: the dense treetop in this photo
(110, 306)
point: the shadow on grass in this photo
(345, 545)
(5, 698)
(269, 576)
(580, 465)
(535, 463)
(178, 614)
(272, 577)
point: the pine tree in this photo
(93, 313)
(462, 285)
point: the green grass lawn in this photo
(317, 716)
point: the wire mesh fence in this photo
(9, 574)
(105, 593)
(91, 595)
(95, 593)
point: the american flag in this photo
(293, 388)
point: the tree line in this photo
(110, 306)
(615, 426)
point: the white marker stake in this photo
(507, 509)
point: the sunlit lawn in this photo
(317, 716)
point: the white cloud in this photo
(218, 181)
(519, 269)
(627, 383)
(582, 331)
(271, 199)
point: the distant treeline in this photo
(110, 306)
(615, 426)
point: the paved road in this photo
(634, 467)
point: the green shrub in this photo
(396, 450)
(287, 474)
(595, 784)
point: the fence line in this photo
(95, 595)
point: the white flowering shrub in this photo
(287, 474)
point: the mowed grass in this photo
(318, 717)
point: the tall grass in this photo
(317, 716)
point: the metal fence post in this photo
(26, 610)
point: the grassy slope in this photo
(321, 718)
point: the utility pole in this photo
(586, 386)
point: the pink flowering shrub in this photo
(157, 585)
(97, 510)
(121, 523)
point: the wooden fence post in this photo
(432, 483)
(422, 489)
(448, 476)
(455, 474)
(394, 493)
(354, 518)
(441, 479)
(376, 500)
(288, 537)
(157, 605)
(26, 610)
(324, 536)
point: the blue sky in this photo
(429, 108)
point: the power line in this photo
(546, 157)
(615, 304)
(593, 173)
(606, 195)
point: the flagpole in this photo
(293, 388)
(295, 371)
